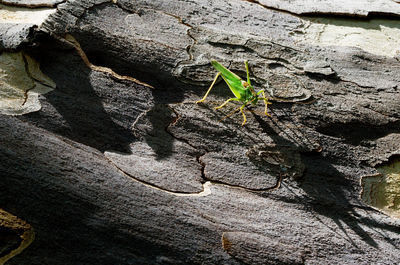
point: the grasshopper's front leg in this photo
(265, 101)
(226, 102)
(244, 116)
(209, 89)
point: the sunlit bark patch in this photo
(21, 82)
(382, 191)
(376, 36)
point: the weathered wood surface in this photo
(120, 167)
(32, 3)
(362, 8)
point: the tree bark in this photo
(120, 166)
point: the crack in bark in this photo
(206, 186)
(268, 189)
(31, 77)
(271, 8)
(139, 117)
(173, 122)
(353, 82)
(70, 40)
(190, 46)
(250, 49)
(356, 132)
(181, 21)
(335, 78)
(203, 165)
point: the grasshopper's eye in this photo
(245, 84)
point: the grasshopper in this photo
(243, 91)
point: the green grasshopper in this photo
(243, 91)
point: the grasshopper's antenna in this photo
(247, 72)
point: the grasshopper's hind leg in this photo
(209, 89)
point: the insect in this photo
(243, 91)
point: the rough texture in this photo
(32, 3)
(13, 35)
(121, 167)
(361, 8)
(376, 36)
(17, 23)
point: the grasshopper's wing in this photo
(232, 80)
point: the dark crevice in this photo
(389, 161)
(225, 45)
(370, 15)
(333, 78)
(203, 167)
(9, 241)
(272, 188)
(276, 65)
(356, 133)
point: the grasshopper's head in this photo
(250, 93)
(248, 87)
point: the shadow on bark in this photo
(70, 229)
(75, 109)
(328, 192)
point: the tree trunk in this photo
(105, 153)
